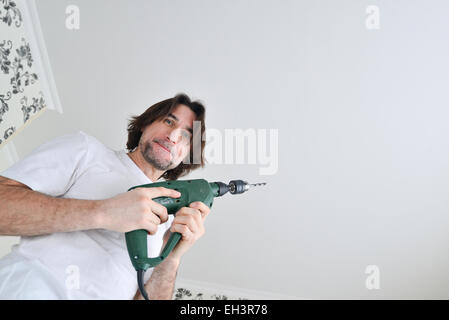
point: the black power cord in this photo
(141, 285)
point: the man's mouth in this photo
(165, 148)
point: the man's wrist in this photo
(170, 263)
(161, 284)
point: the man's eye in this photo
(186, 134)
(168, 121)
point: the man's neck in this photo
(152, 173)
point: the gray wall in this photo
(363, 176)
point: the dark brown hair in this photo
(159, 111)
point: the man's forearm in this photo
(161, 284)
(27, 212)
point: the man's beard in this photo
(149, 155)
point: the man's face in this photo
(166, 142)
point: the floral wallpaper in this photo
(193, 294)
(194, 290)
(21, 98)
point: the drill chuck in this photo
(238, 186)
(235, 187)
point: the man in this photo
(68, 202)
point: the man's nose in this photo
(174, 136)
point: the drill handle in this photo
(136, 248)
(191, 191)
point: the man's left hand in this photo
(189, 222)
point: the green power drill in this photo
(191, 191)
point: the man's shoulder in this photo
(93, 143)
(91, 140)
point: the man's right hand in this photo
(135, 209)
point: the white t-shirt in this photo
(91, 264)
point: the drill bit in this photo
(251, 185)
(257, 184)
